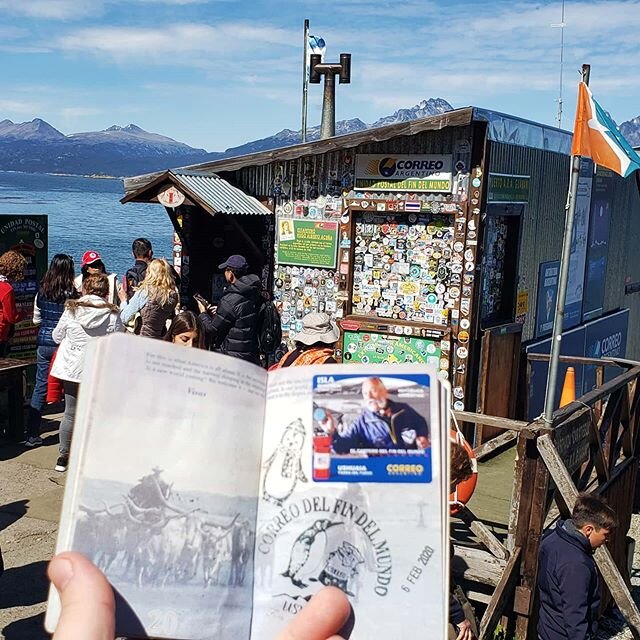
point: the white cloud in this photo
(80, 112)
(19, 107)
(53, 9)
(170, 44)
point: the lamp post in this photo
(329, 71)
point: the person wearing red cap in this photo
(92, 264)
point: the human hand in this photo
(464, 629)
(201, 307)
(329, 423)
(121, 292)
(88, 605)
(422, 442)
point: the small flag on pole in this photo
(596, 136)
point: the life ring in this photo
(465, 489)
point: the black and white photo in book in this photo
(202, 487)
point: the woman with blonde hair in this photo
(12, 266)
(156, 299)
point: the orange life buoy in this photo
(465, 489)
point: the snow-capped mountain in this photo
(430, 107)
(38, 147)
(135, 137)
(631, 131)
(37, 129)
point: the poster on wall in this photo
(547, 297)
(507, 188)
(27, 234)
(598, 247)
(307, 243)
(578, 257)
(605, 338)
(415, 173)
(381, 348)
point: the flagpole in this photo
(556, 336)
(305, 81)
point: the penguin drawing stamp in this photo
(309, 546)
(283, 468)
(341, 567)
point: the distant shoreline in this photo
(93, 176)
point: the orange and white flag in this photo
(596, 136)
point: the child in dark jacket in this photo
(568, 583)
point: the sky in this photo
(218, 73)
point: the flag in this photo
(596, 136)
(317, 45)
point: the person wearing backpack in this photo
(233, 328)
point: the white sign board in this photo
(424, 173)
(170, 197)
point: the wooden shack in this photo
(429, 241)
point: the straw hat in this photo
(318, 327)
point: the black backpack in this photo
(269, 328)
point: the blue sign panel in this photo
(578, 257)
(605, 338)
(598, 247)
(572, 345)
(547, 297)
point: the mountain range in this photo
(38, 147)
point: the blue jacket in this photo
(568, 585)
(372, 431)
(50, 313)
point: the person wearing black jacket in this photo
(568, 583)
(233, 327)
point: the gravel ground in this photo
(613, 626)
(30, 500)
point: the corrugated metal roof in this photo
(210, 191)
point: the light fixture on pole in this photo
(329, 71)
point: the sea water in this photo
(85, 214)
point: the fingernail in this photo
(61, 572)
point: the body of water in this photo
(86, 214)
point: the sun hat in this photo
(234, 262)
(89, 257)
(318, 327)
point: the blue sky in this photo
(217, 73)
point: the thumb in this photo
(88, 606)
(324, 617)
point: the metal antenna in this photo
(561, 26)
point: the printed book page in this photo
(351, 496)
(162, 488)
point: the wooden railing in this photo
(591, 445)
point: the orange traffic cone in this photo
(569, 387)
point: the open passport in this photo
(218, 498)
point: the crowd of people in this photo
(71, 310)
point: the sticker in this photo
(458, 392)
(463, 337)
(465, 324)
(397, 330)
(444, 363)
(462, 353)
(469, 266)
(468, 255)
(476, 182)
(458, 246)
(458, 405)
(472, 225)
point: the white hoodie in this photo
(91, 319)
